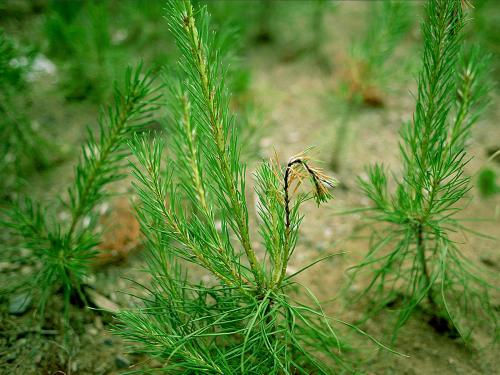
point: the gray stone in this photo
(121, 362)
(19, 303)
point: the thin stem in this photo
(198, 180)
(317, 180)
(340, 140)
(101, 161)
(461, 116)
(220, 141)
(192, 153)
(423, 263)
(186, 239)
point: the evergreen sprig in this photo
(414, 254)
(78, 34)
(367, 70)
(387, 23)
(19, 138)
(215, 305)
(61, 250)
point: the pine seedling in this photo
(19, 138)
(60, 250)
(214, 306)
(342, 134)
(487, 183)
(486, 30)
(79, 36)
(316, 12)
(417, 262)
(487, 179)
(265, 32)
(388, 22)
(319, 33)
(367, 69)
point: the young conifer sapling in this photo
(61, 250)
(22, 148)
(414, 256)
(215, 305)
(366, 71)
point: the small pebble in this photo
(218, 225)
(328, 232)
(98, 323)
(119, 36)
(90, 280)
(487, 261)
(19, 304)
(265, 142)
(42, 65)
(121, 362)
(102, 302)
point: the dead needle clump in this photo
(298, 168)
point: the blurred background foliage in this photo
(81, 47)
(93, 39)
